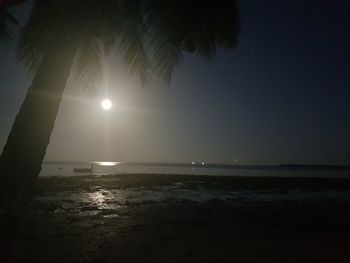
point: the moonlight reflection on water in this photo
(103, 199)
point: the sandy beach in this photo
(174, 131)
(178, 218)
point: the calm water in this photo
(100, 168)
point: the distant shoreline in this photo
(219, 166)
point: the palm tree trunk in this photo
(22, 156)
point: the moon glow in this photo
(106, 104)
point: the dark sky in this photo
(281, 97)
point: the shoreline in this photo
(221, 181)
(179, 218)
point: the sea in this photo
(56, 168)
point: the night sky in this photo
(281, 97)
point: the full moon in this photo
(106, 104)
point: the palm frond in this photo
(104, 22)
(42, 32)
(198, 27)
(6, 21)
(132, 39)
(150, 33)
(165, 55)
(87, 67)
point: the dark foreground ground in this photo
(169, 218)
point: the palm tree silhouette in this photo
(65, 37)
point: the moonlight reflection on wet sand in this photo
(151, 217)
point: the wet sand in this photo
(177, 218)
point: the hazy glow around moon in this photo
(106, 104)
